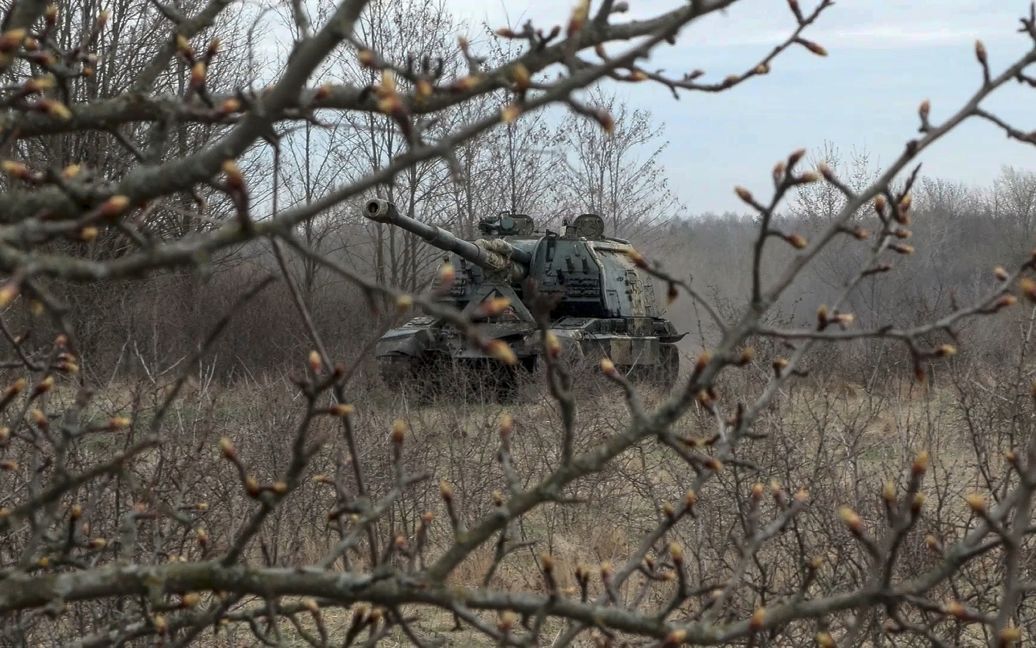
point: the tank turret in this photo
(602, 304)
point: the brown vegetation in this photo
(194, 449)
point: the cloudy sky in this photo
(885, 57)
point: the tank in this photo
(599, 304)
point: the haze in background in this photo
(884, 58)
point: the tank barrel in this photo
(499, 258)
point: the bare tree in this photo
(616, 172)
(514, 168)
(1014, 202)
(414, 38)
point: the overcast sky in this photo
(885, 57)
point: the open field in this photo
(833, 439)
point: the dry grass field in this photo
(839, 442)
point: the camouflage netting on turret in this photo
(498, 260)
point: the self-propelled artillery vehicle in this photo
(601, 304)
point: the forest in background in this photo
(960, 235)
(552, 165)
